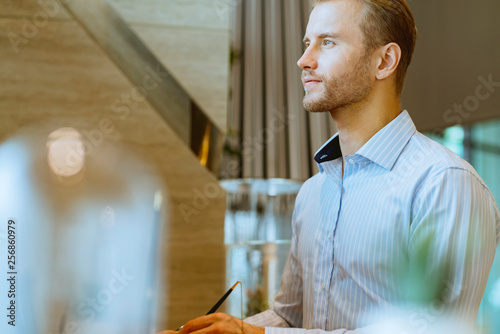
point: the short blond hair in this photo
(387, 21)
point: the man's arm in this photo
(267, 318)
(453, 239)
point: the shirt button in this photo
(323, 286)
(330, 237)
(351, 161)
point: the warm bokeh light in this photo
(66, 154)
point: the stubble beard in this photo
(341, 91)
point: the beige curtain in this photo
(270, 135)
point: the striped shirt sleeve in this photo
(453, 239)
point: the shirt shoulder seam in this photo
(468, 171)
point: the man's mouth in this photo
(308, 81)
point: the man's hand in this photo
(217, 323)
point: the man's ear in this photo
(388, 58)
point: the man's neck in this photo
(358, 123)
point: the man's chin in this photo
(314, 111)
(315, 107)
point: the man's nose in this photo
(308, 60)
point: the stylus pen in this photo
(219, 303)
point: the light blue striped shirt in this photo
(409, 223)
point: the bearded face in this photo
(336, 63)
(337, 90)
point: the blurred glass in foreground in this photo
(87, 218)
(258, 232)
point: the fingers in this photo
(225, 324)
(204, 322)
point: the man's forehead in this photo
(337, 17)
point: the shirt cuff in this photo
(278, 330)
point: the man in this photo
(393, 221)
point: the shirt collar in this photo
(383, 148)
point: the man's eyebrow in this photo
(324, 35)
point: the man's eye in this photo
(326, 42)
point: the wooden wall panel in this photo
(29, 8)
(60, 76)
(205, 14)
(191, 39)
(198, 60)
